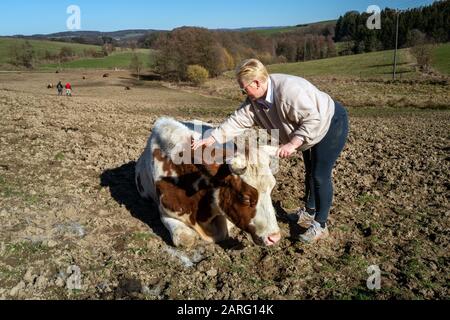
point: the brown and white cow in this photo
(206, 199)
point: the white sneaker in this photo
(315, 233)
(302, 218)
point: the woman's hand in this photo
(205, 142)
(286, 150)
(289, 149)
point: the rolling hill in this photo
(118, 59)
(299, 28)
(374, 64)
(40, 47)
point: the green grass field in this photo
(116, 60)
(441, 58)
(40, 47)
(119, 59)
(374, 64)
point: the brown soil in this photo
(67, 197)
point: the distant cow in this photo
(202, 199)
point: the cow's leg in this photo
(182, 235)
(215, 230)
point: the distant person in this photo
(308, 120)
(68, 89)
(60, 88)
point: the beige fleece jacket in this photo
(298, 109)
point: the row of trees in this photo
(220, 51)
(305, 47)
(433, 21)
(190, 46)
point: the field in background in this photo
(121, 58)
(375, 64)
(117, 59)
(367, 65)
(441, 58)
(40, 46)
(272, 31)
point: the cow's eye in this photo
(244, 199)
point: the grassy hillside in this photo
(116, 60)
(274, 30)
(441, 58)
(39, 46)
(119, 59)
(291, 29)
(375, 64)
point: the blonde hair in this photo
(252, 69)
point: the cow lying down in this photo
(208, 198)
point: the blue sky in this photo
(47, 16)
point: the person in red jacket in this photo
(68, 89)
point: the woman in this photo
(307, 120)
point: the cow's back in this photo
(167, 133)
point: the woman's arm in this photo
(236, 124)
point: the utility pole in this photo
(396, 48)
(304, 51)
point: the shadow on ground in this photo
(123, 189)
(388, 65)
(291, 219)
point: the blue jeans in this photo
(319, 163)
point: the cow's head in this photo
(244, 190)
